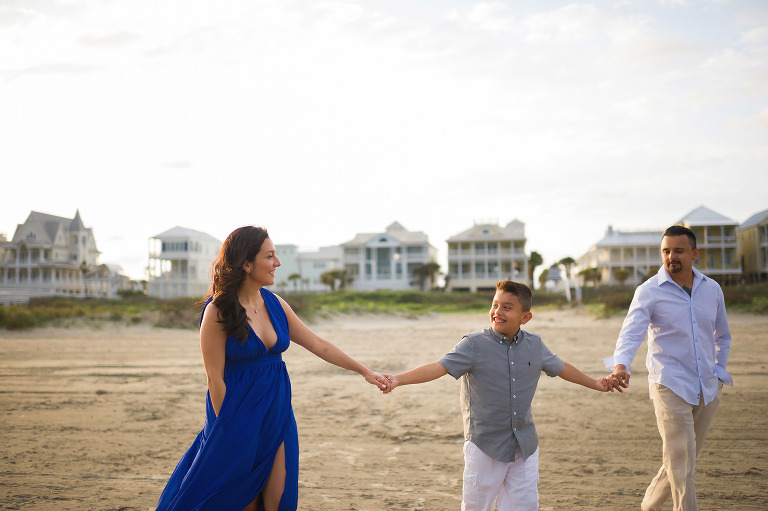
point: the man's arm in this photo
(631, 336)
(722, 342)
(421, 374)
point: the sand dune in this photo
(96, 418)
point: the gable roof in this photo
(755, 219)
(615, 238)
(514, 230)
(186, 233)
(705, 216)
(394, 230)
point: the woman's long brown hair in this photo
(227, 274)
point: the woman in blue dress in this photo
(247, 455)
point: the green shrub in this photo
(759, 305)
(19, 319)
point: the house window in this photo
(31, 236)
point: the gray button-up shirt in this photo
(498, 380)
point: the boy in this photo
(499, 368)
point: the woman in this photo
(247, 455)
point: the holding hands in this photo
(619, 378)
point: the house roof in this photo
(185, 233)
(705, 216)
(614, 238)
(755, 219)
(395, 231)
(513, 230)
(50, 224)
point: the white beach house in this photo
(486, 253)
(386, 260)
(179, 263)
(48, 256)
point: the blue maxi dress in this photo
(230, 461)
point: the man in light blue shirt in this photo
(683, 313)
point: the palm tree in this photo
(329, 279)
(568, 262)
(426, 272)
(295, 278)
(534, 260)
(622, 274)
(543, 278)
(591, 274)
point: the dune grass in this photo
(185, 312)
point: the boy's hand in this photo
(606, 385)
(390, 382)
(380, 380)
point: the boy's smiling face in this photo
(507, 314)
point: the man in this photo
(688, 345)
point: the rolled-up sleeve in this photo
(460, 359)
(722, 342)
(633, 330)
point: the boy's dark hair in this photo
(520, 290)
(679, 230)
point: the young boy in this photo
(499, 368)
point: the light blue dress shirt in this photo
(688, 336)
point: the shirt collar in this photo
(664, 276)
(501, 337)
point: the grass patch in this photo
(183, 313)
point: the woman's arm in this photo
(326, 350)
(213, 342)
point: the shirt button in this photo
(514, 429)
(513, 363)
(514, 396)
(513, 379)
(514, 413)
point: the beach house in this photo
(486, 253)
(312, 265)
(717, 243)
(621, 257)
(386, 260)
(48, 256)
(179, 263)
(753, 244)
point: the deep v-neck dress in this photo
(230, 460)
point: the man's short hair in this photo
(679, 230)
(520, 290)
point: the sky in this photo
(321, 119)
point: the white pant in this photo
(516, 485)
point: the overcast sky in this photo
(322, 119)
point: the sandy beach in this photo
(96, 418)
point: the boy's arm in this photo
(573, 375)
(421, 374)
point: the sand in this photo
(96, 418)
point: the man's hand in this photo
(620, 377)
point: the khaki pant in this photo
(683, 428)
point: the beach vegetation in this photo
(534, 260)
(602, 301)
